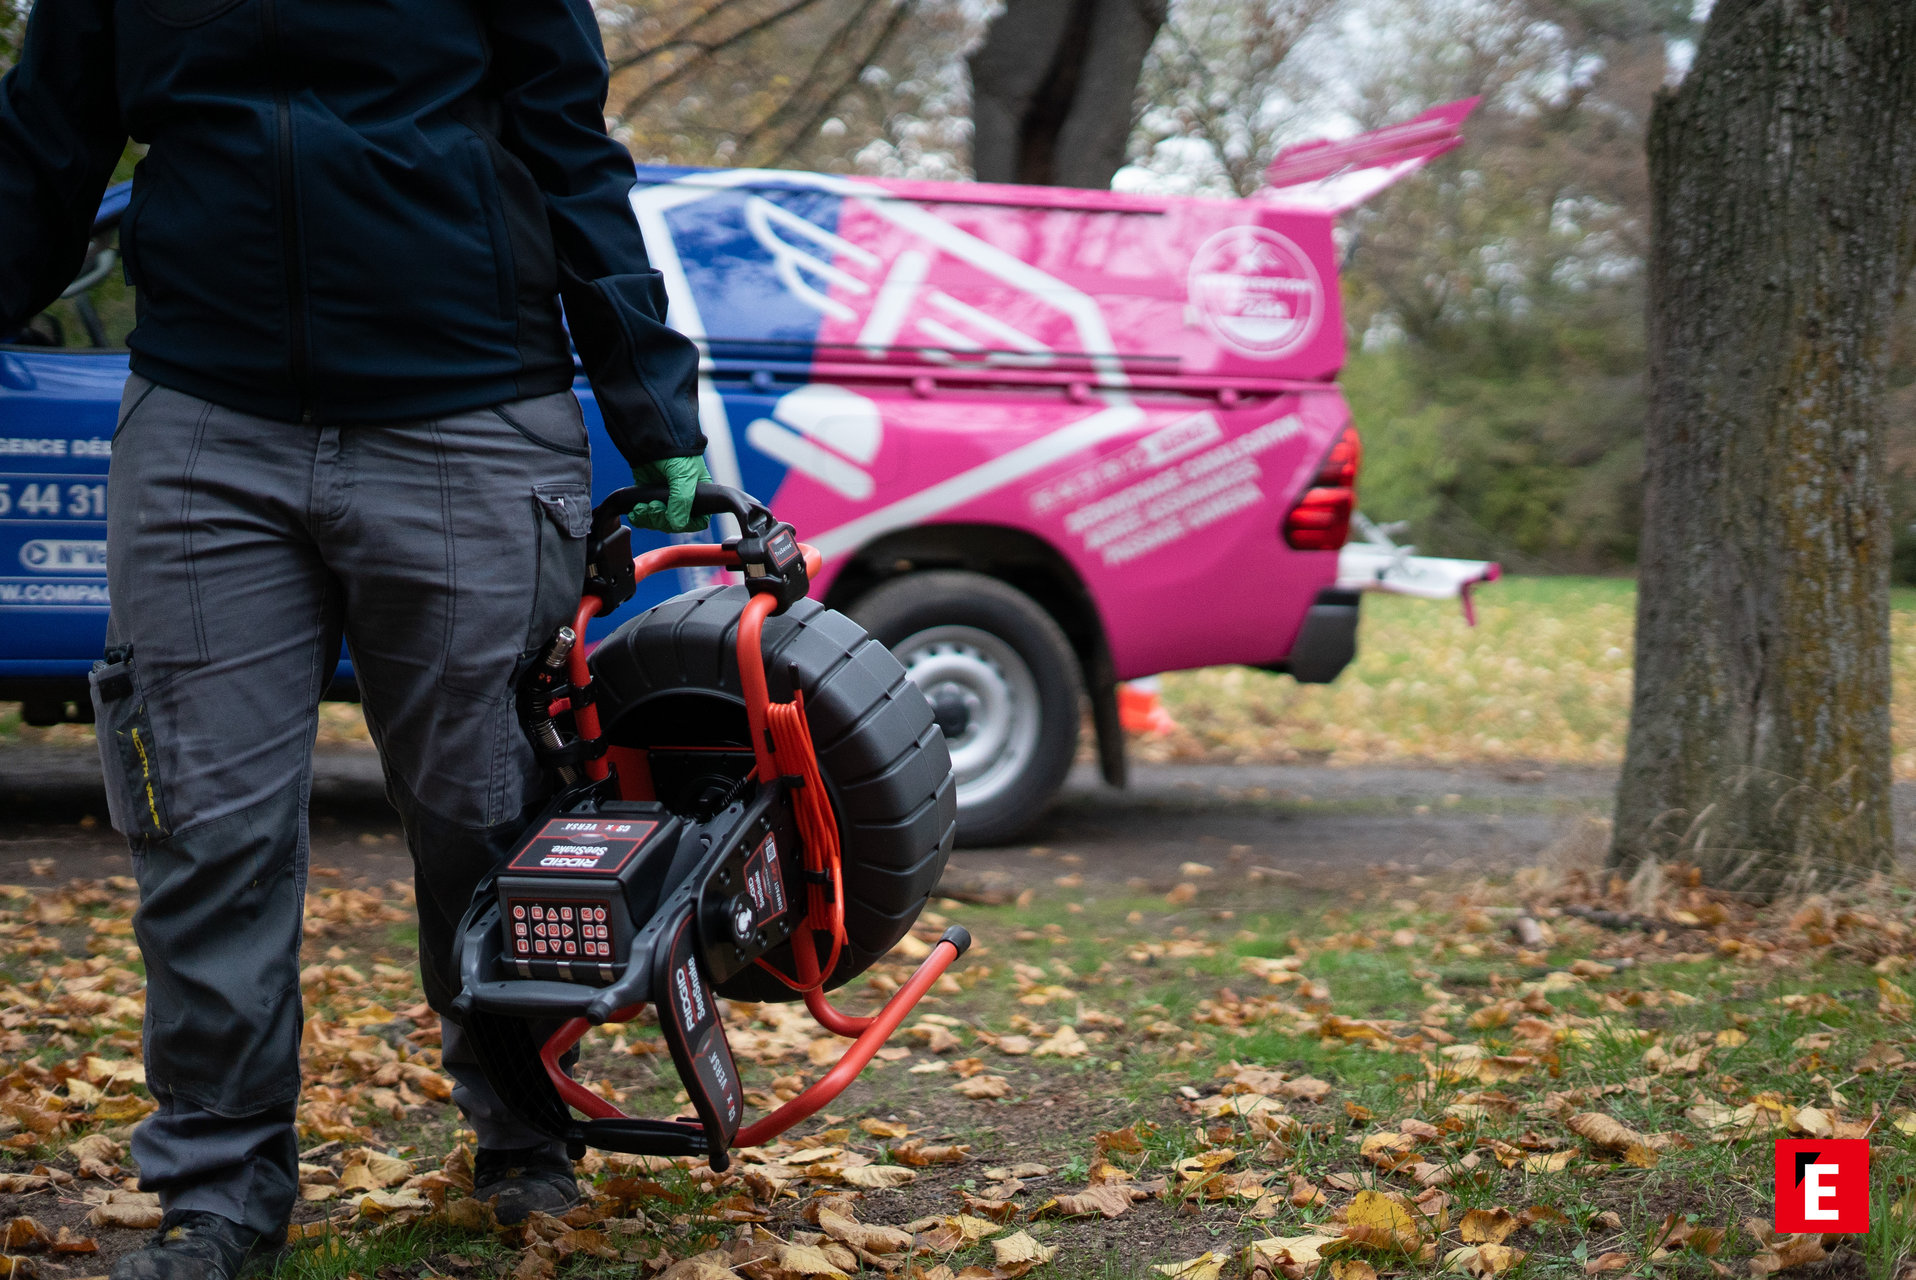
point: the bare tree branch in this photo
(679, 39)
(706, 51)
(1213, 77)
(798, 99)
(892, 25)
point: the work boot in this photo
(520, 1180)
(194, 1245)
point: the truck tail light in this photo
(1321, 520)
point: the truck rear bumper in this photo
(1326, 642)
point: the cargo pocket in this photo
(564, 515)
(135, 800)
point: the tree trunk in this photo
(1782, 171)
(1052, 89)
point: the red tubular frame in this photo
(877, 1030)
(575, 1094)
(684, 556)
(751, 678)
(868, 1034)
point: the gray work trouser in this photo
(239, 550)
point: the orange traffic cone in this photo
(1140, 711)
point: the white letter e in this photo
(1814, 1192)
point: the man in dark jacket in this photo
(350, 414)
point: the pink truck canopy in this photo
(1143, 384)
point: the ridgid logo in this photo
(1822, 1185)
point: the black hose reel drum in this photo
(756, 804)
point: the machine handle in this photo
(533, 997)
(768, 551)
(646, 1137)
(708, 500)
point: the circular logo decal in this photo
(1256, 291)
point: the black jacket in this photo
(351, 211)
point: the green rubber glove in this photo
(681, 476)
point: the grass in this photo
(336, 1256)
(1543, 677)
(1396, 984)
(1677, 998)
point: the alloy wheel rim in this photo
(999, 695)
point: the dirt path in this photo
(1305, 820)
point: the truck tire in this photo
(1003, 683)
(670, 677)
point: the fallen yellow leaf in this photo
(875, 1177)
(1294, 1256)
(1612, 1134)
(1107, 1201)
(1487, 1226)
(1206, 1266)
(804, 1260)
(870, 1237)
(1018, 1253)
(129, 1217)
(1554, 1162)
(1483, 1259)
(982, 1086)
(1383, 1220)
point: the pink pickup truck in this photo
(1048, 440)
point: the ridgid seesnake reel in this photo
(756, 803)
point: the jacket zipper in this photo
(289, 215)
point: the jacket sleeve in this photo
(549, 71)
(60, 136)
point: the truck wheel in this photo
(1002, 681)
